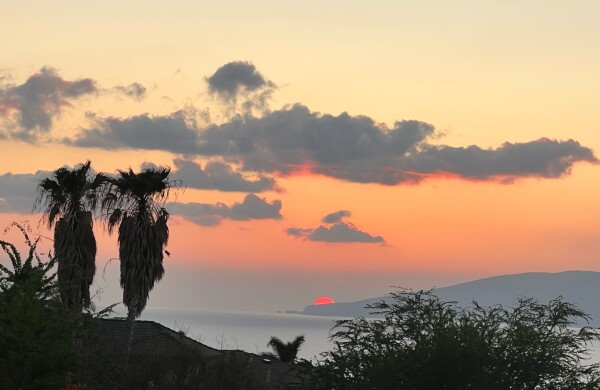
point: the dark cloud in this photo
(220, 176)
(359, 150)
(336, 216)
(336, 231)
(134, 91)
(174, 133)
(351, 148)
(18, 191)
(342, 232)
(252, 207)
(240, 82)
(34, 104)
(541, 158)
(235, 77)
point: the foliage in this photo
(284, 351)
(67, 200)
(36, 330)
(133, 201)
(425, 343)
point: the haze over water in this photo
(251, 331)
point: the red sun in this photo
(323, 301)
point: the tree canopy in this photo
(425, 343)
(67, 200)
(287, 352)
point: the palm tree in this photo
(67, 200)
(286, 352)
(133, 201)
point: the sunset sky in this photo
(328, 148)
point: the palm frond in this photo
(68, 200)
(134, 201)
(286, 351)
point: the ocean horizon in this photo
(250, 331)
(246, 330)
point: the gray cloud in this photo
(174, 133)
(219, 176)
(352, 148)
(359, 150)
(235, 77)
(34, 104)
(342, 232)
(335, 231)
(251, 208)
(240, 82)
(135, 91)
(336, 216)
(542, 158)
(18, 191)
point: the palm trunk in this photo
(129, 325)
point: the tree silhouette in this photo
(134, 203)
(36, 330)
(286, 352)
(68, 199)
(425, 343)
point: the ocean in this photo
(248, 331)
(251, 331)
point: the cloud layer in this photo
(29, 109)
(219, 176)
(336, 230)
(292, 140)
(18, 191)
(34, 104)
(351, 148)
(174, 133)
(251, 208)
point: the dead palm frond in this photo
(133, 202)
(67, 201)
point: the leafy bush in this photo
(36, 331)
(425, 343)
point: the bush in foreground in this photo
(425, 343)
(36, 330)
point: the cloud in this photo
(336, 216)
(236, 77)
(135, 91)
(342, 232)
(220, 176)
(174, 133)
(336, 230)
(541, 158)
(251, 208)
(34, 104)
(295, 140)
(18, 191)
(357, 149)
(241, 81)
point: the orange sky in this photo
(482, 74)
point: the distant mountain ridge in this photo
(581, 288)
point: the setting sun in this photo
(323, 301)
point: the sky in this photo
(328, 148)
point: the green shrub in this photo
(424, 343)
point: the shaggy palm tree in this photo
(67, 200)
(286, 352)
(133, 202)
